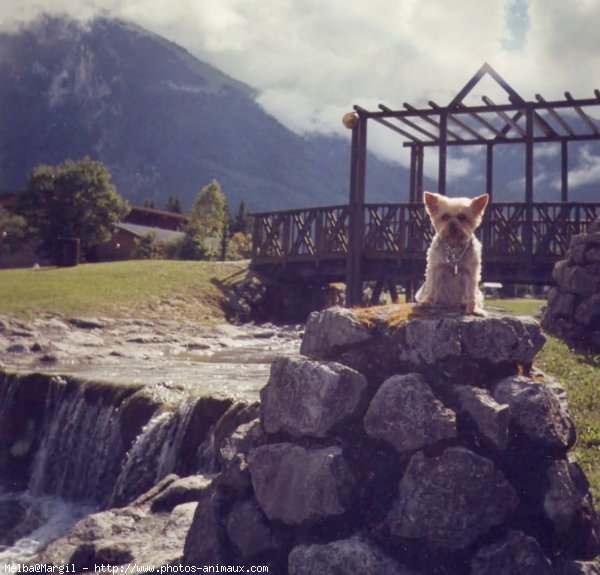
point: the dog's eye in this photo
(462, 217)
(445, 217)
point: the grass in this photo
(138, 288)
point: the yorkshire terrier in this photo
(453, 268)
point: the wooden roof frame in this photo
(489, 124)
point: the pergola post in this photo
(489, 171)
(528, 231)
(564, 164)
(356, 212)
(443, 151)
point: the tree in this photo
(241, 221)
(206, 225)
(12, 231)
(173, 205)
(71, 200)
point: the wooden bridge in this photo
(387, 243)
(312, 245)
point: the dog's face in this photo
(455, 219)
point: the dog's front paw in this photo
(479, 311)
(475, 309)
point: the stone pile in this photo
(402, 445)
(573, 310)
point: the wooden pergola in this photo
(458, 124)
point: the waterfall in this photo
(81, 449)
(159, 450)
(72, 434)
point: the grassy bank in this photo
(141, 288)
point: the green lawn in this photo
(120, 289)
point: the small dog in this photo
(454, 257)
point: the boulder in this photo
(569, 507)
(332, 329)
(344, 557)
(184, 490)
(296, 485)
(445, 348)
(573, 306)
(517, 554)
(308, 398)
(489, 417)
(450, 500)
(126, 536)
(233, 457)
(536, 413)
(205, 542)
(249, 530)
(406, 414)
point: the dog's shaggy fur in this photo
(454, 258)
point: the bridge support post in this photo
(356, 213)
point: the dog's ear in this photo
(479, 204)
(431, 202)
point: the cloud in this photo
(587, 170)
(310, 61)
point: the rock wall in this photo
(573, 310)
(403, 445)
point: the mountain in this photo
(164, 122)
(167, 123)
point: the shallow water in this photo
(50, 518)
(237, 366)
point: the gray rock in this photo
(184, 490)
(126, 536)
(249, 530)
(561, 303)
(429, 340)
(450, 500)
(205, 542)
(446, 348)
(518, 554)
(296, 485)
(335, 328)
(536, 412)
(345, 557)
(233, 457)
(592, 255)
(308, 398)
(507, 339)
(580, 281)
(588, 311)
(566, 489)
(406, 414)
(569, 507)
(490, 418)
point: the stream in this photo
(78, 463)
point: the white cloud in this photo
(312, 60)
(587, 170)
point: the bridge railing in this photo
(511, 231)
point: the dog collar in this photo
(455, 252)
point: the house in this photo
(139, 222)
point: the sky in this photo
(312, 60)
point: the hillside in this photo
(163, 121)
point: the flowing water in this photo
(82, 461)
